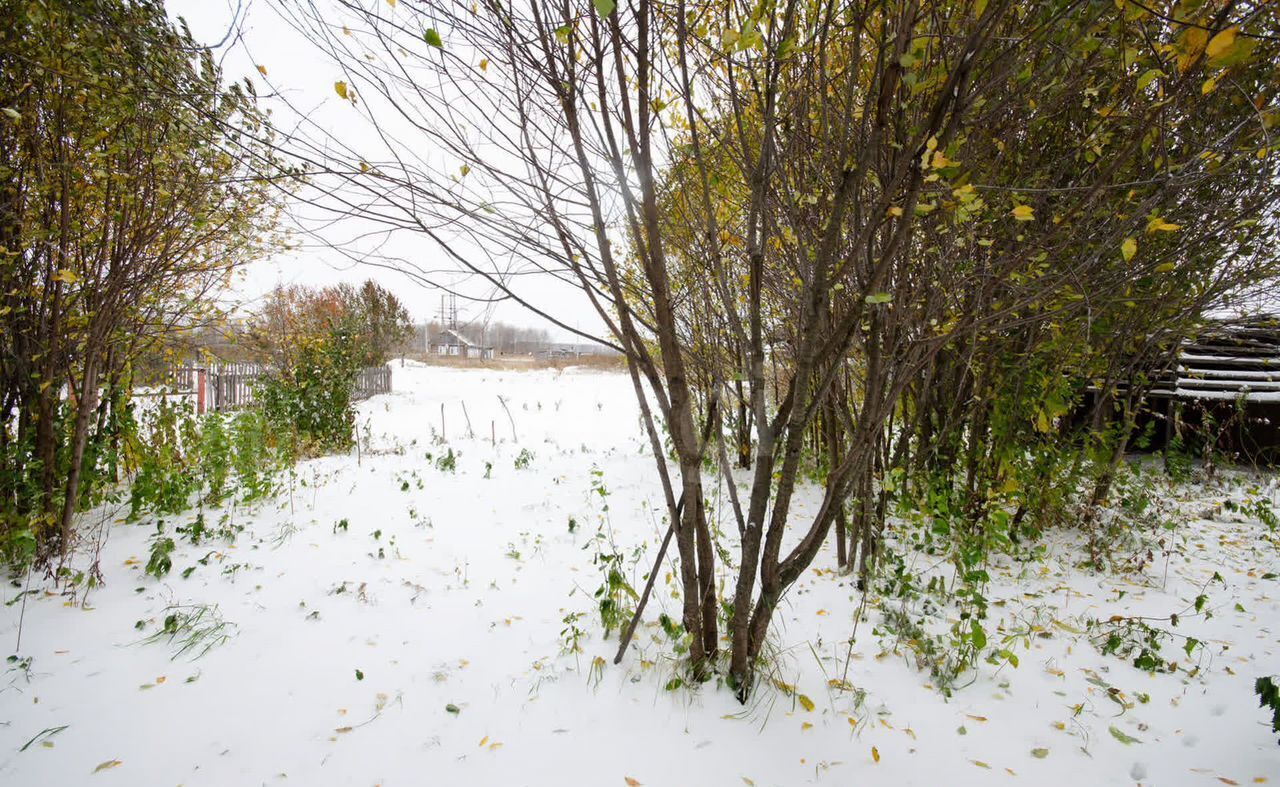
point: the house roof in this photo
(460, 340)
(1232, 359)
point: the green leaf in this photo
(1148, 77)
(1123, 737)
(979, 636)
(1039, 754)
(879, 297)
(1190, 645)
(451, 708)
(359, 675)
(604, 7)
(433, 38)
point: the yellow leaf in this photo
(107, 765)
(894, 210)
(1165, 267)
(804, 725)
(805, 702)
(465, 170)
(262, 70)
(1208, 86)
(980, 764)
(66, 276)
(1158, 224)
(1024, 213)
(1222, 43)
(875, 754)
(1128, 248)
(391, 3)
(1190, 45)
(495, 746)
(484, 64)
(483, 741)
(630, 781)
(341, 89)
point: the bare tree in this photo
(774, 200)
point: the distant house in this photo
(451, 342)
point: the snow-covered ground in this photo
(424, 642)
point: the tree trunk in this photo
(85, 408)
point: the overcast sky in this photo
(305, 77)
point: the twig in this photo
(503, 401)
(848, 656)
(23, 613)
(470, 433)
(648, 586)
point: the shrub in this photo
(312, 397)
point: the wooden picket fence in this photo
(230, 386)
(373, 380)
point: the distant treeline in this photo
(504, 338)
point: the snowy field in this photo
(393, 622)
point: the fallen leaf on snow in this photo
(875, 754)
(1122, 736)
(630, 781)
(107, 765)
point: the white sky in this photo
(305, 76)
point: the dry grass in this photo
(522, 362)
